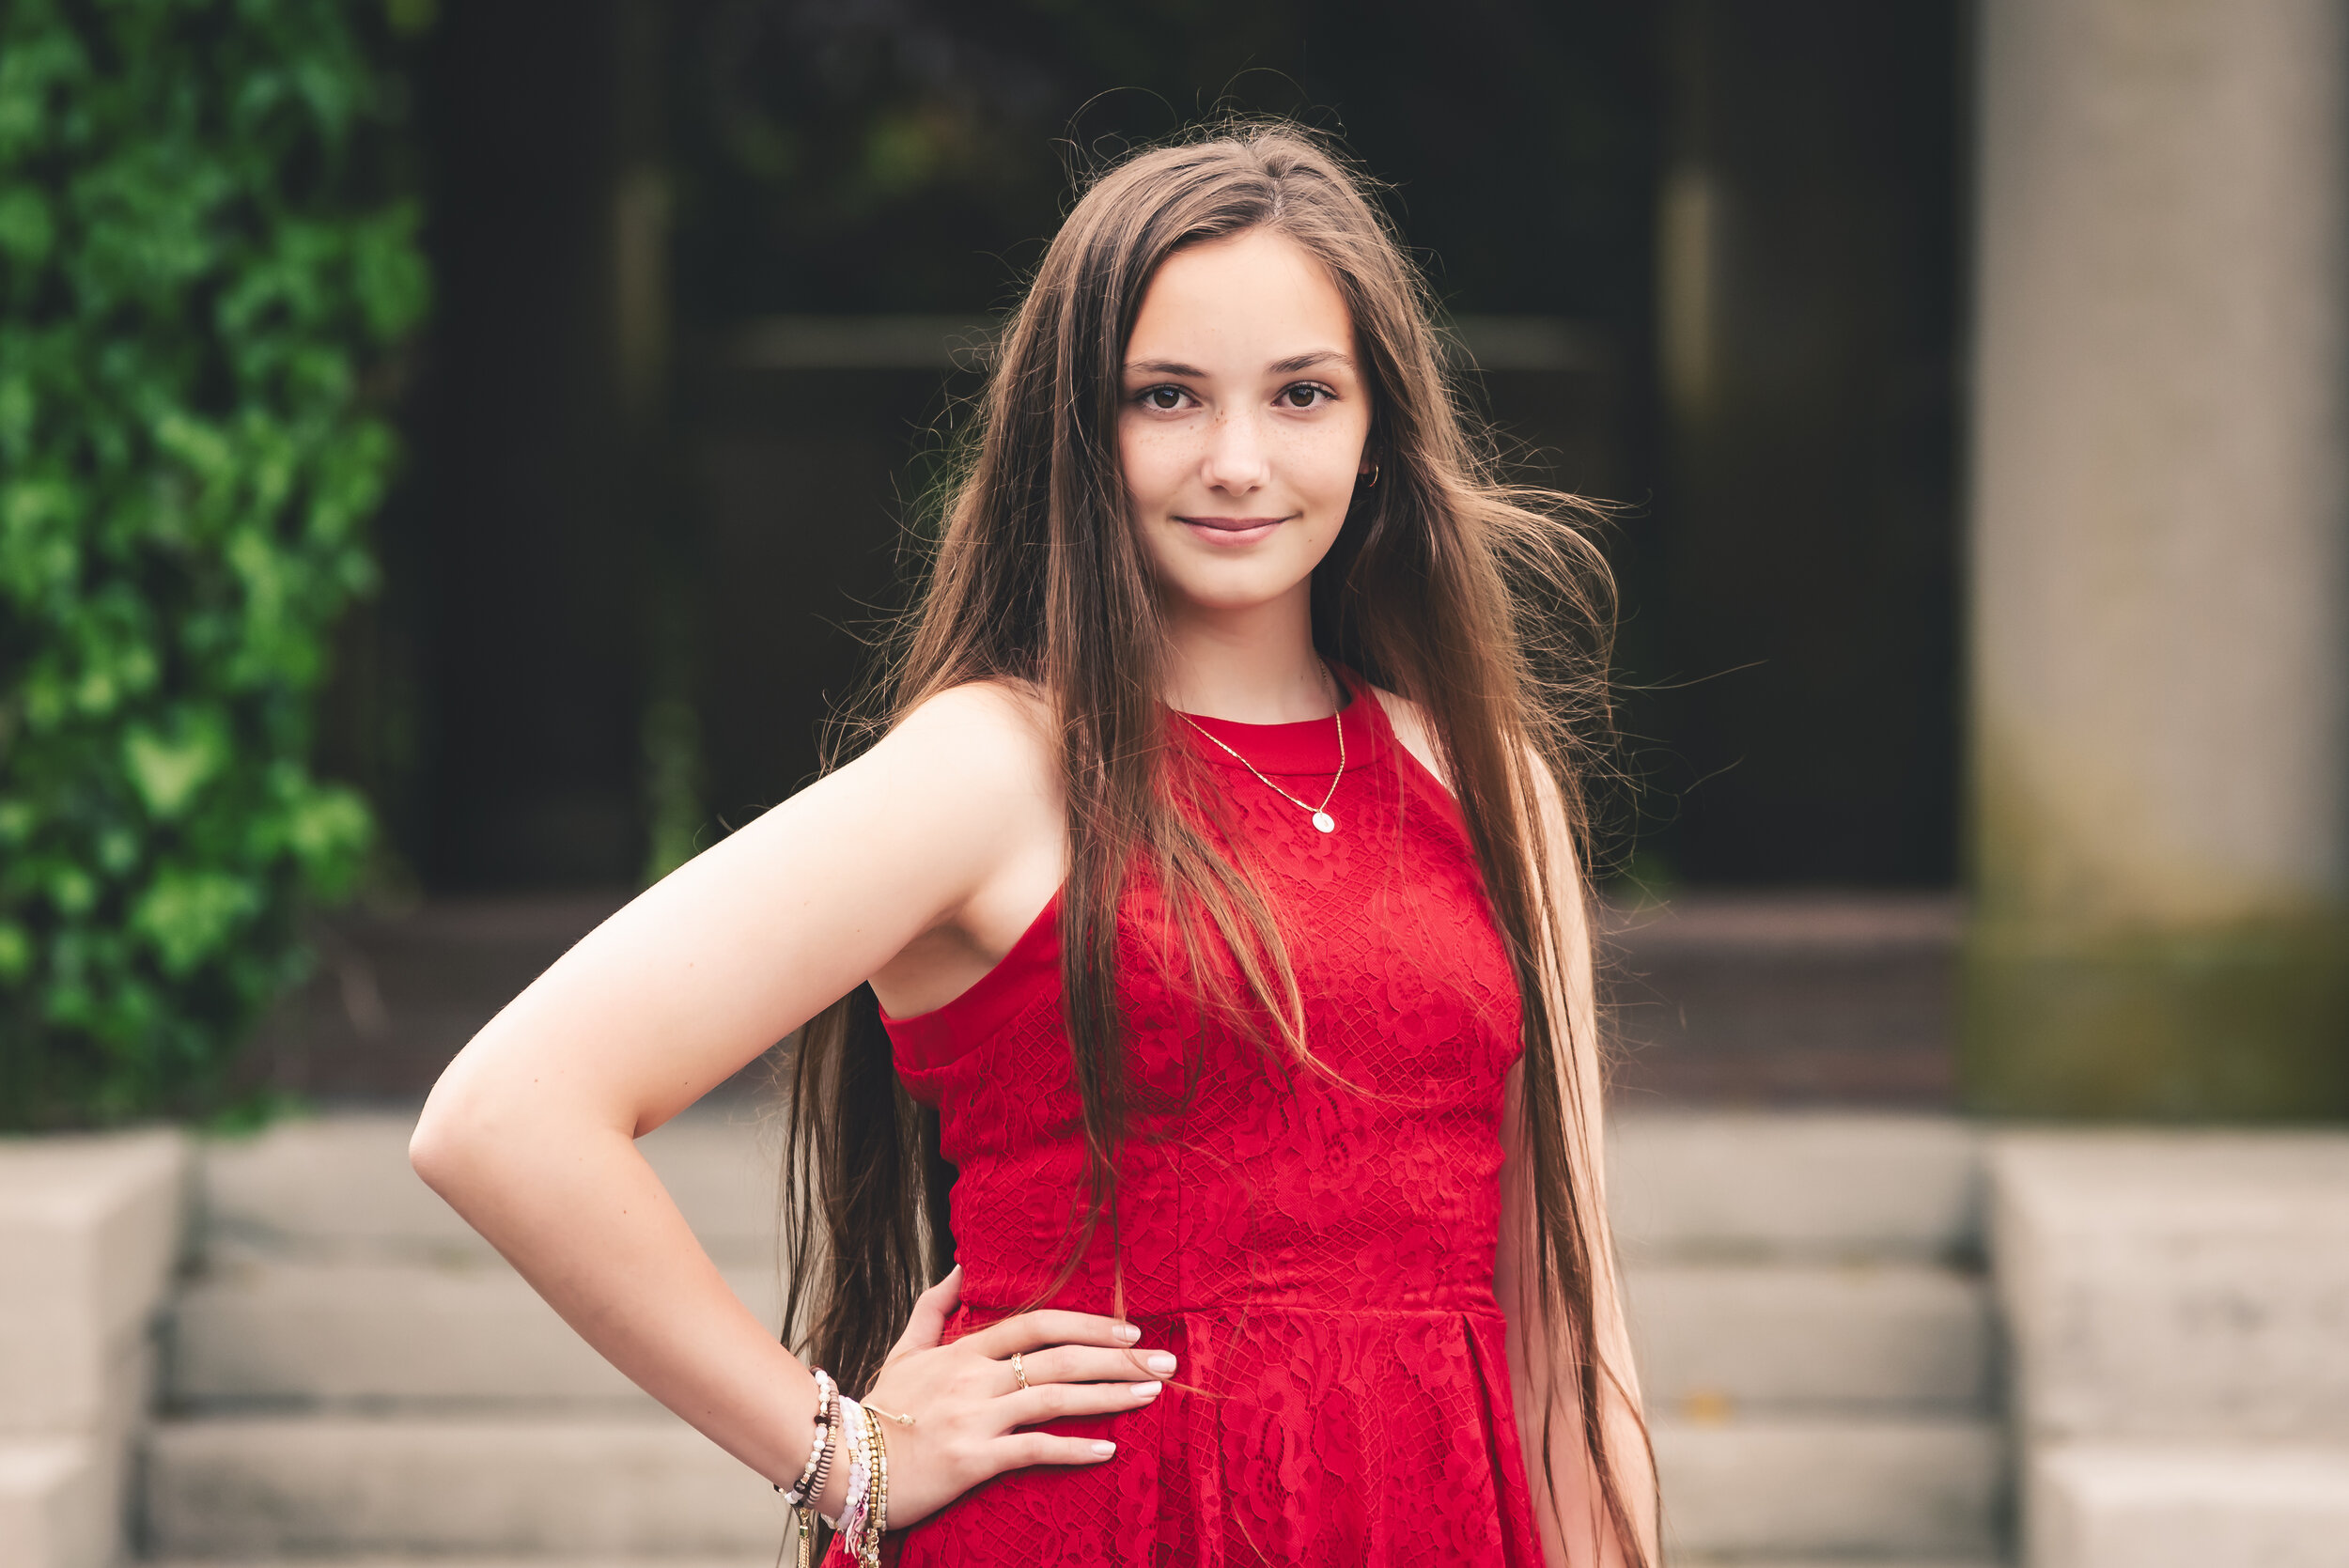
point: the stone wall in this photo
(2178, 1308)
(89, 1232)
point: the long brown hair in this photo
(1484, 605)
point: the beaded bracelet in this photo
(801, 1498)
(827, 1422)
(814, 1487)
(876, 1521)
(853, 1502)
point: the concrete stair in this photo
(259, 1333)
(1816, 1335)
(352, 1376)
(2177, 1301)
(565, 1485)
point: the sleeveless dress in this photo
(1316, 1246)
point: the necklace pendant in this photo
(1324, 821)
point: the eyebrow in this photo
(1306, 362)
(1279, 367)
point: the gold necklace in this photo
(1320, 814)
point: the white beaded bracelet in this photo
(853, 1501)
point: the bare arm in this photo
(531, 1132)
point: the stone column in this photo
(2159, 576)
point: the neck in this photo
(1254, 665)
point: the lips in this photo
(1233, 530)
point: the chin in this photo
(1235, 582)
(1229, 590)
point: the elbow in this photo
(487, 1123)
(454, 1135)
(436, 1149)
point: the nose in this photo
(1235, 461)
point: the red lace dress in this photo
(1318, 1253)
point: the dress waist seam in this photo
(1309, 1309)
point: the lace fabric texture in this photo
(1315, 1241)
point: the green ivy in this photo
(195, 293)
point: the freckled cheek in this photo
(1156, 464)
(1320, 468)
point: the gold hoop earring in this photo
(1370, 477)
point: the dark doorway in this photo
(637, 562)
(1794, 599)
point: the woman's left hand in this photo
(970, 1400)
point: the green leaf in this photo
(188, 915)
(328, 830)
(169, 772)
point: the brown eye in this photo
(1165, 398)
(1302, 396)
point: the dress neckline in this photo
(1310, 746)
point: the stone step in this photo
(2184, 1284)
(466, 1331)
(1780, 996)
(54, 1496)
(268, 1487)
(274, 1487)
(1783, 1490)
(436, 1559)
(1730, 1185)
(1717, 1338)
(89, 1231)
(2189, 1505)
(1712, 1338)
(1693, 1185)
(339, 1187)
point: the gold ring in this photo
(1016, 1370)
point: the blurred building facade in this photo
(711, 274)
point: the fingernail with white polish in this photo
(1128, 1333)
(1160, 1362)
(1104, 1449)
(1147, 1391)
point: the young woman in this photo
(1219, 993)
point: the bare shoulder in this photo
(936, 806)
(1001, 712)
(1418, 736)
(1409, 723)
(984, 739)
(988, 758)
